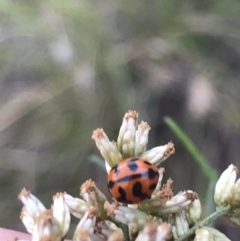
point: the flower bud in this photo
(224, 186)
(82, 235)
(234, 198)
(158, 199)
(134, 218)
(27, 220)
(165, 203)
(116, 236)
(104, 229)
(164, 232)
(61, 213)
(33, 205)
(173, 205)
(94, 197)
(159, 154)
(157, 190)
(77, 207)
(152, 232)
(203, 234)
(108, 149)
(194, 211)
(46, 227)
(86, 226)
(180, 224)
(126, 137)
(141, 138)
(178, 202)
(209, 234)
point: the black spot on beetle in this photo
(132, 165)
(152, 187)
(151, 173)
(121, 200)
(129, 178)
(123, 195)
(111, 184)
(137, 191)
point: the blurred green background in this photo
(70, 66)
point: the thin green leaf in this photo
(97, 160)
(203, 163)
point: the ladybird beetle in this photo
(132, 180)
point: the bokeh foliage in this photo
(68, 67)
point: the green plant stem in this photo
(124, 228)
(192, 149)
(220, 212)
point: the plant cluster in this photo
(165, 216)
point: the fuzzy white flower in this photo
(108, 149)
(159, 154)
(135, 219)
(61, 213)
(163, 202)
(141, 138)
(194, 211)
(116, 236)
(131, 142)
(209, 234)
(27, 220)
(126, 137)
(85, 227)
(46, 227)
(105, 229)
(33, 205)
(77, 207)
(179, 224)
(234, 198)
(224, 186)
(94, 197)
(152, 232)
